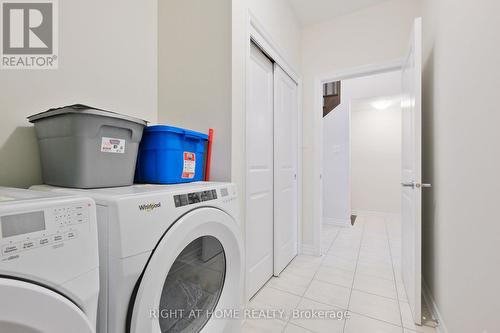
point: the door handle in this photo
(410, 184)
(417, 185)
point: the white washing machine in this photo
(49, 268)
(171, 258)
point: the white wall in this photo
(336, 136)
(373, 35)
(108, 59)
(336, 165)
(281, 25)
(376, 157)
(461, 230)
(194, 41)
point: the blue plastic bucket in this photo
(170, 155)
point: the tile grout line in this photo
(384, 321)
(363, 238)
(394, 274)
(354, 277)
(266, 285)
(373, 294)
(310, 282)
(377, 276)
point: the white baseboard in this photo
(308, 250)
(431, 303)
(337, 222)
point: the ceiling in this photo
(315, 11)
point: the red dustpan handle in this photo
(209, 153)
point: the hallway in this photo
(359, 271)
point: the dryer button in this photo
(57, 238)
(29, 245)
(43, 241)
(71, 235)
(9, 249)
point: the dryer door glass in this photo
(193, 286)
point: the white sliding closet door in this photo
(285, 169)
(259, 173)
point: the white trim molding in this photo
(359, 71)
(308, 250)
(265, 42)
(317, 149)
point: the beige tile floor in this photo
(359, 272)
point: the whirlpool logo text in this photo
(149, 207)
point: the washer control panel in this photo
(28, 230)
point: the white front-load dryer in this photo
(171, 258)
(49, 269)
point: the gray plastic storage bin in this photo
(84, 147)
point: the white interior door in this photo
(285, 169)
(411, 172)
(259, 173)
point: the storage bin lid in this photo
(83, 109)
(178, 130)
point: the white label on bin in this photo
(112, 145)
(189, 165)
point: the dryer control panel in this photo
(225, 194)
(27, 230)
(194, 197)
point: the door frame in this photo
(319, 80)
(255, 32)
